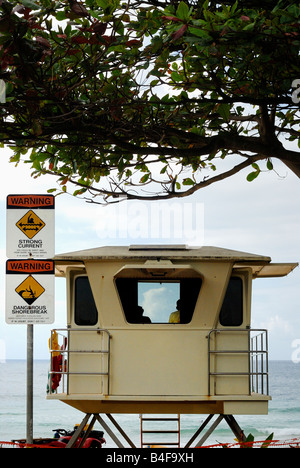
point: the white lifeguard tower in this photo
(120, 354)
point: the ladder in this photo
(167, 425)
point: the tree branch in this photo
(121, 194)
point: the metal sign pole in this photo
(29, 412)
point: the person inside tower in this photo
(138, 316)
(175, 316)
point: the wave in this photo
(285, 432)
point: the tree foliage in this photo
(149, 99)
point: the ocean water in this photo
(283, 418)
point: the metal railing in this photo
(59, 347)
(256, 351)
(259, 365)
(257, 358)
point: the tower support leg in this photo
(96, 417)
(232, 423)
(210, 430)
(109, 431)
(76, 435)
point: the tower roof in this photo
(261, 265)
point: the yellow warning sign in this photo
(30, 224)
(30, 289)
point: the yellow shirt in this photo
(174, 317)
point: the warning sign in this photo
(30, 226)
(29, 291)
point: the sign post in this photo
(29, 275)
(29, 389)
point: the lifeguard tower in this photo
(120, 353)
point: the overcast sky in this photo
(262, 217)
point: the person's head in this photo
(139, 311)
(179, 304)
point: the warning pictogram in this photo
(30, 289)
(30, 224)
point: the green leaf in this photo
(30, 4)
(145, 178)
(183, 11)
(200, 33)
(248, 442)
(249, 27)
(176, 76)
(224, 111)
(79, 192)
(268, 441)
(250, 438)
(60, 15)
(269, 165)
(188, 181)
(103, 3)
(252, 176)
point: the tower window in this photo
(158, 301)
(85, 308)
(231, 314)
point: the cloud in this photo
(158, 300)
(18, 178)
(278, 325)
(151, 300)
